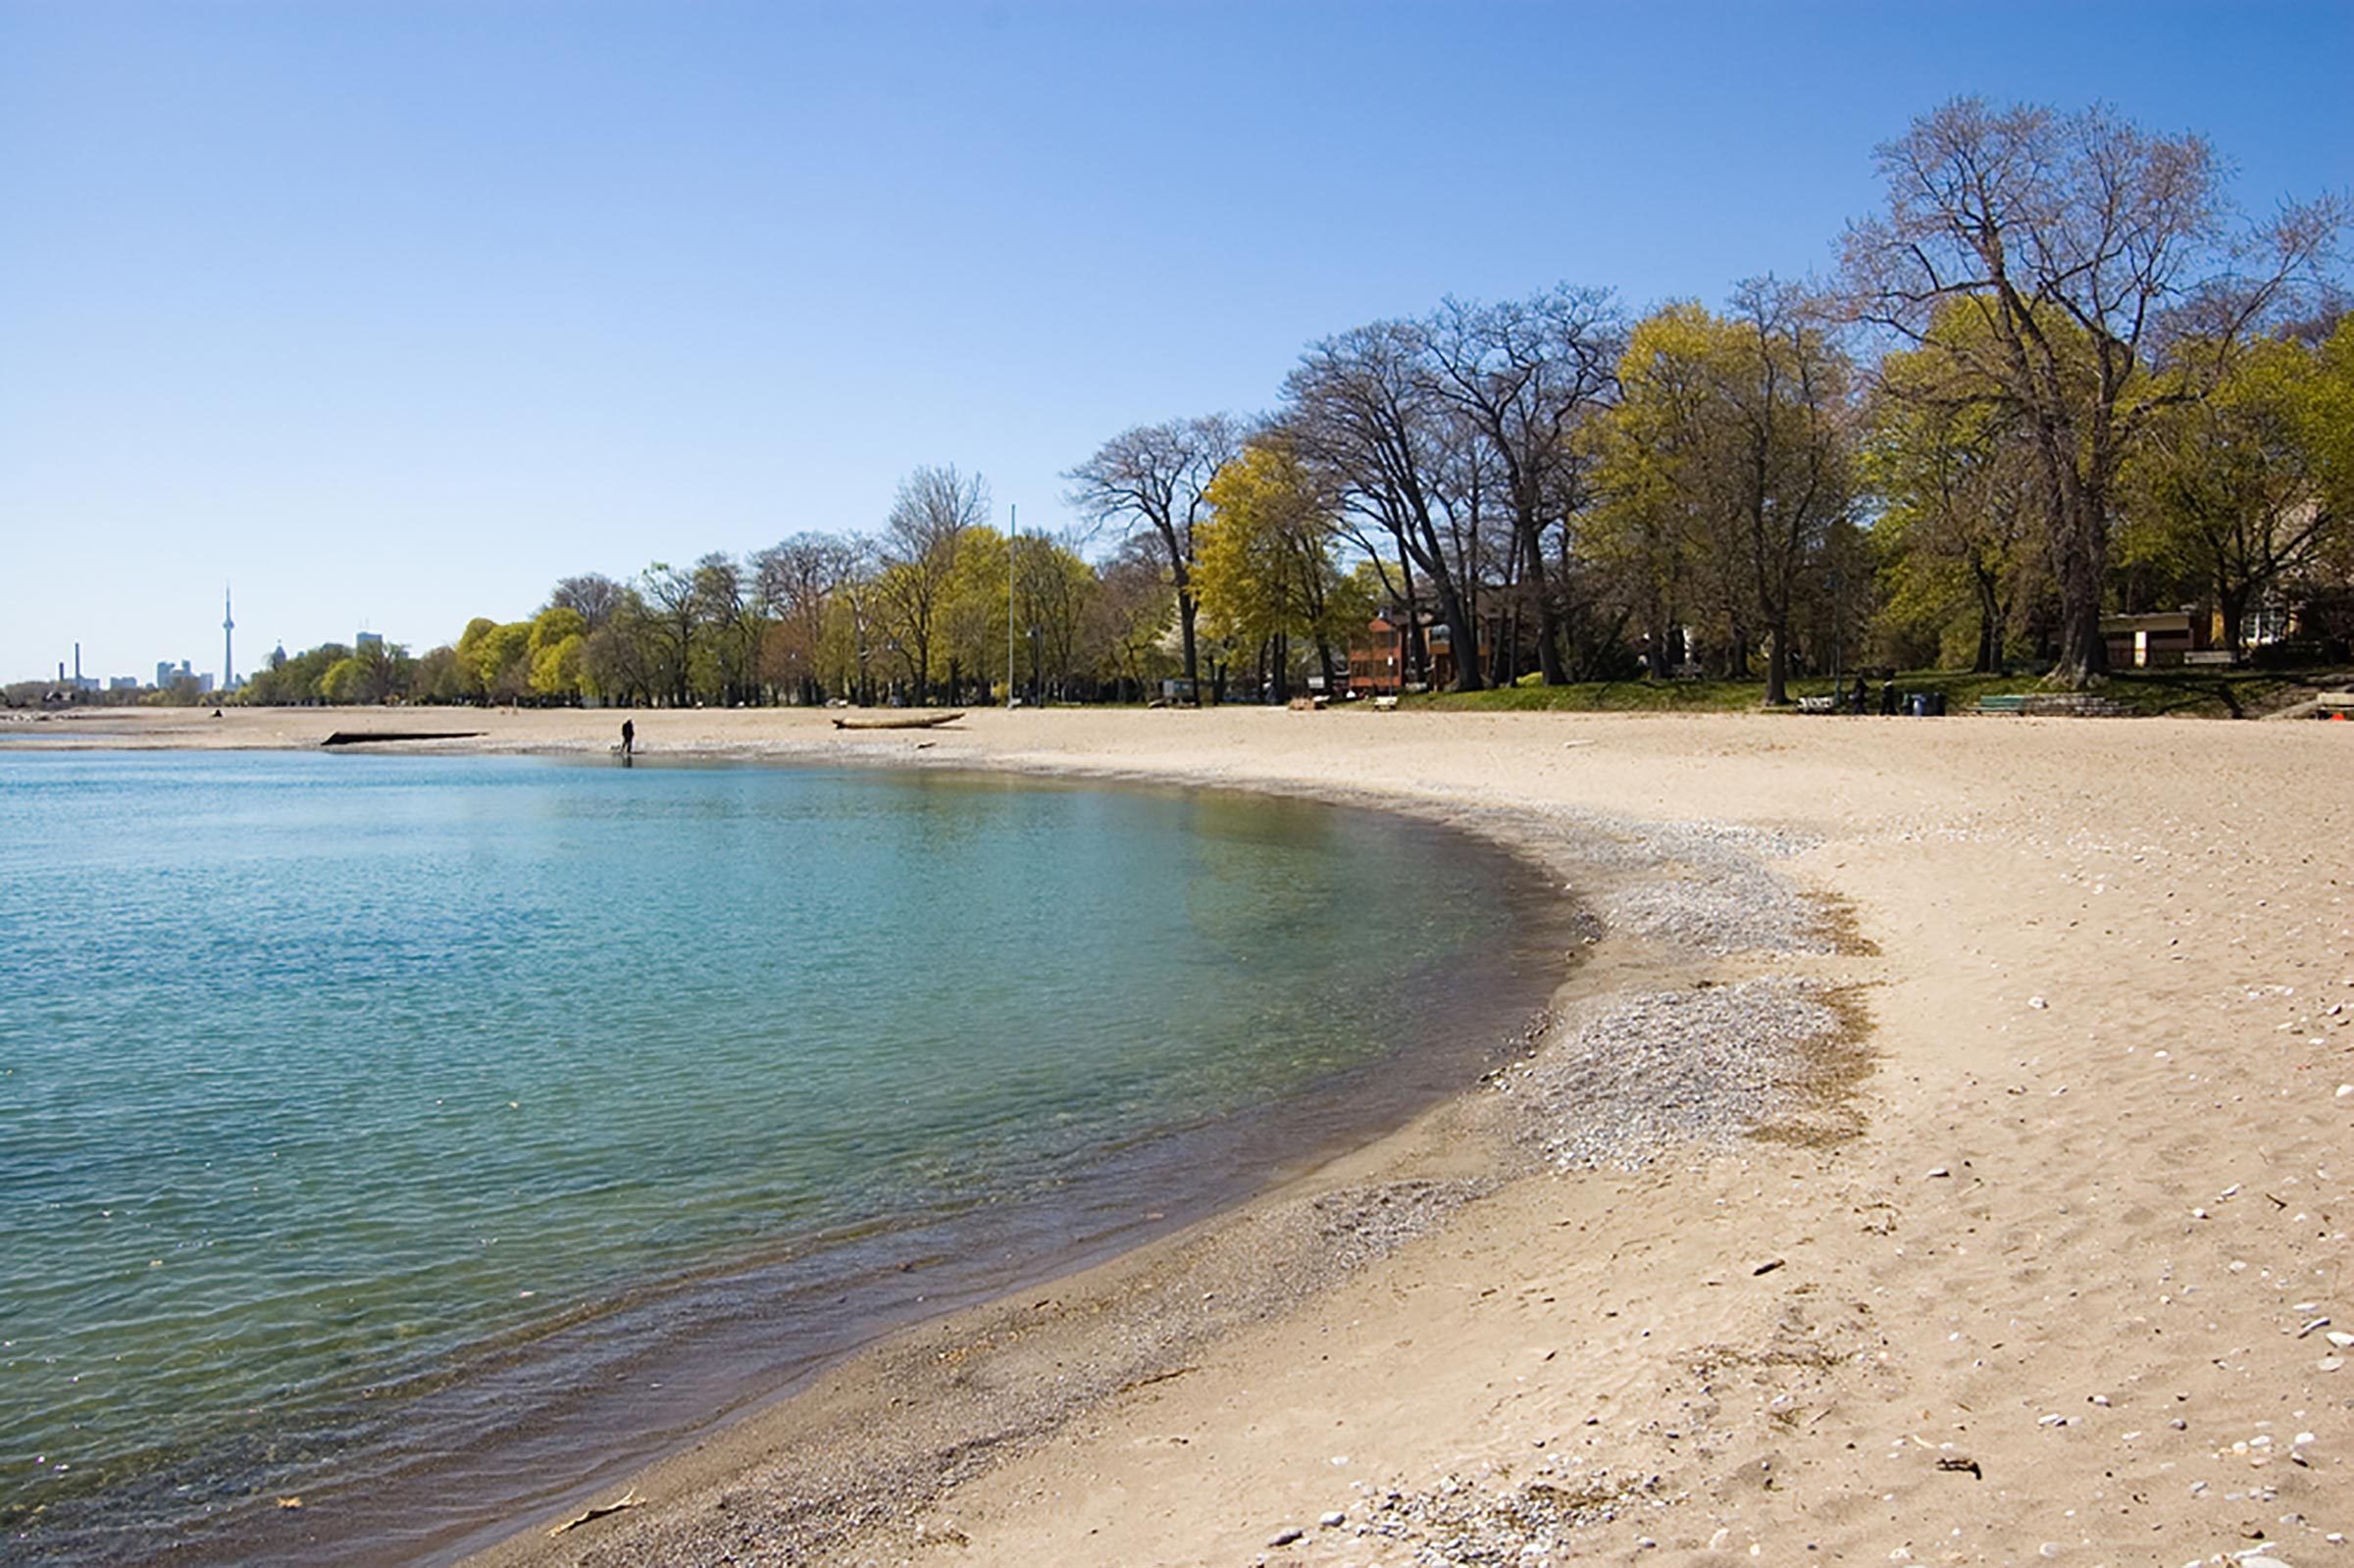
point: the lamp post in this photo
(1014, 534)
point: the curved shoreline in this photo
(885, 1434)
(1270, 1159)
(2050, 1289)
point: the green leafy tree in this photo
(2231, 493)
(1959, 531)
(1735, 433)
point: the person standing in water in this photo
(628, 740)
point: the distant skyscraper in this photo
(228, 658)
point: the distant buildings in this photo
(167, 676)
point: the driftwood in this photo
(629, 1499)
(923, 721)
(364, 738)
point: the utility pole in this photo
(1013, 533)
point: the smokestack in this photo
(78, 664)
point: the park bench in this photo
(2014, 702)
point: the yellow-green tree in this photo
(555, 651)
(928, 522)
(469, 653)
(502, 660)
(2240, 490)
(1267, 572)
(2031, 218)
(1730, 454)
(970, 646)
(1961, 529)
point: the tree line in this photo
(2058, 376)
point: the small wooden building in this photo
(2149, 641)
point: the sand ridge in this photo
(2053, 1290)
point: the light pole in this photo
(1014, 534)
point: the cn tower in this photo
(228, 658)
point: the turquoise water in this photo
(345, 1101)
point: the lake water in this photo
(356, 1112)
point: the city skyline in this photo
(396, 317)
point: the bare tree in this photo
(1523, 374)
(934, 506)
(2082, 242)
(1150, 479)
(595, 595)
(669, 627)
(1362, 408)
(1127, 617)
(793, 584)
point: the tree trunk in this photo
(1549, 614)
(1990, 625)
(2232, 601)
(1777, 662)
(1461, 634)
(1186, 611)
(2083, 654)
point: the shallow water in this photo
(352, 1108)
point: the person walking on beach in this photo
(629, 738)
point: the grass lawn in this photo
(2198, 692)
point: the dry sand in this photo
(2038, 1255)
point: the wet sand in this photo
(1940, 1156)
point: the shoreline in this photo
(1936, 1327)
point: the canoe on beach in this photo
(923, 721)
(369, 737)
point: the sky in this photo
(389, 314)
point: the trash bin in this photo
(1916, 704)
(1936, 704)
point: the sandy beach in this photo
(1938, 1152)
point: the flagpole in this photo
(1013, 532)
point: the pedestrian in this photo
(628, 738)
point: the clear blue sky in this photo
(394, 313)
